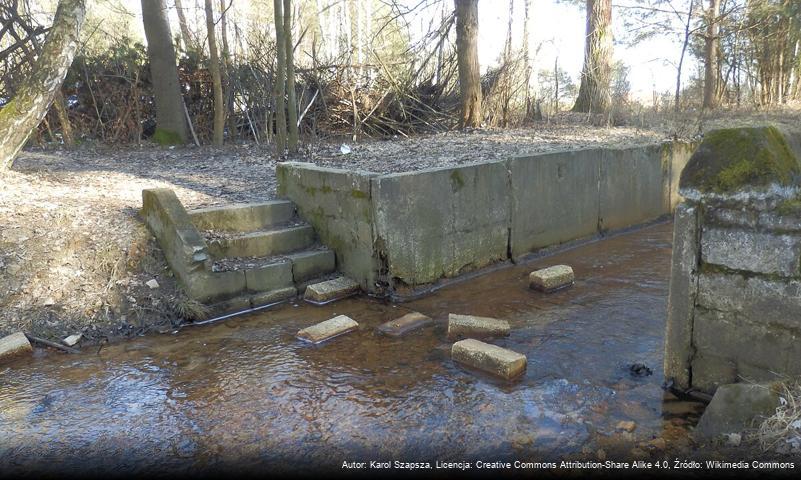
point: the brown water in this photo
(246, 393)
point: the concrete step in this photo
(309, 264)
(262, 243)
(249, 217)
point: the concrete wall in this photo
(412, 229)
(338, 204)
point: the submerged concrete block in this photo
(405, 324)
(735, 407)
(328, 329)
(331, 290)
(552, 278)
(469, 325)
(489, 358)
(273, 296)
(14, 345)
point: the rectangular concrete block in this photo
(767, 300)
(263, 243)
(312, 263)
(553, 198)
(441, 222)
(710, 372)
(470, 325)
(14, 345)
(328, 329)
(552, 278)
(634, 185)
(209, 287)
(330, 290)
(406, 324)
(273, 296)
(271, 276)
(243, 217)
(489, 358)
(682, 294)
(751, 251)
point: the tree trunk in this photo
(225, 65)
(186, 35)
(292, 102)
(216, 77)
(63, 118)
(20, 116)
(594, 92)
(526, 59)
(467, 57)
(279, 80)
(711, 45)
(684, 45)
(171, 125)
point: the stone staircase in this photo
(239, 256)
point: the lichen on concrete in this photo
(734, 159)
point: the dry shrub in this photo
(781, 432)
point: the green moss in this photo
(326, 189)
(731, 159)
(456, 180)
(790, 206)
(355, 193)
(312, 191)
(167, 137)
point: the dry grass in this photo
(781, 432)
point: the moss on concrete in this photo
(355, 193)
(167, 137)
(732, 159)
(456, 180)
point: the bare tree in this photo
(26, 110)
(190, 43)
(171, 127)
(467, 58)
(594, 92)
(216, 77)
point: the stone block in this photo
(406, 324)
(330, 290)
(328, 329)
(469, 326)
(552, 278)
(554, 198)
(263, 243)
(271, 276)
(735, 408)
(682, 295)
(489, 358)
(243, 218)
(312, 263)
(710, 372)
(757, 299)
(210, 287)
(750, 251)
(441, 222)
(273, 296)
(14, 345)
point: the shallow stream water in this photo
(245, 393)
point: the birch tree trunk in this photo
(20, 116)
(171, 127)
(186, 34)
(292, 102)
(216, 77)
(594, 91)
(467, 58)
(279, 80)
(711, 46)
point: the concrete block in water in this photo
(331, 290)
(328, 329)
(469, 326)
(489, 358)
(735, 407)
(13, 345)
(405, 324)
(551, 278)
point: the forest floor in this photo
(75, 257)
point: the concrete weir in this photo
(401, 233)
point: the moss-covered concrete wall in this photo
(401, 231)
(735, 289)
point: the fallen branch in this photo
(48, 343)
